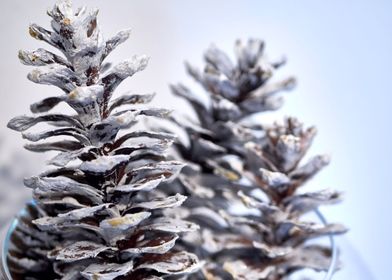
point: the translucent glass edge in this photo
(334, 257)
(6, 245)
(7, 239)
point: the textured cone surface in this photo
(97, 213)
(246, 193)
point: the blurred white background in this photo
(340, 51)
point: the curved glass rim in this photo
(5, 246)
(6, 242)
(328, 276)
(334, 257)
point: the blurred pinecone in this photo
(97, 213)
(274, 233)
(235, 93)
(243, 176)
(215, 141)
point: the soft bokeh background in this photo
(340, 51)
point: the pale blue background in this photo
(340, 51)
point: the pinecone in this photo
(273, 236)
(239, 162)
(235, 93)
(97, 213)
